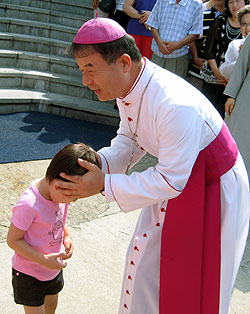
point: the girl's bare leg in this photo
(34, 309)
(50, 303)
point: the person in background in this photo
(139, 11)
(174, 25)
(197, 47)
(101, 13)
(120, 16)
(234, 47)
(116, 12)
(37, 231)
(237, 106)
(192, 230)
(224, 29)
(207, 4)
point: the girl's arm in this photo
(16, 242)
(68, 243)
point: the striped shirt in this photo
(175, 22)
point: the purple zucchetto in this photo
(99, 30)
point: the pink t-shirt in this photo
(43, 222)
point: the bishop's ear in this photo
(125, 62)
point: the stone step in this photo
(35, 74)
(43, 15)
(21, 100)
(44, 81)
(38, 29)
(77, 7)
(38, 62)
(12, 41)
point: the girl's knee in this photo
(50, 303)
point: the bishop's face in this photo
(108, 81)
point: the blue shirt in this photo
(134, 25)
(175, 22)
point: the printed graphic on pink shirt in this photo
(57, 230)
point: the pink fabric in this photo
(43, 222)
(190, 259)
(99, 30)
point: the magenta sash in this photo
(190, 248)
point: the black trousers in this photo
(122, 18)
(214, 92)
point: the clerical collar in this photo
(137, 79)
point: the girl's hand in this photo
(69, 247)
(54, 261)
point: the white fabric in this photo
(231, 56)
(175, 124)
(120, 4)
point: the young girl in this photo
(37, 230)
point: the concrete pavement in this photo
(101, 235)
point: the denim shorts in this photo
(31, 291)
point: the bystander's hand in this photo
(229, 105)
(162, 47)
(144, 17)
(172, 46)
(198, 62)
(221, 79)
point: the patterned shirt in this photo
(176, 21)
(219, 36)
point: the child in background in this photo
(37, 230)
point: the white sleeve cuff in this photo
(108, 191)
(105, 165)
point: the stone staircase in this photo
(35, 75)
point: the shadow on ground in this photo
(36, 135)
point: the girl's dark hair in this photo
(110, 51)
(227, 11)
(66, 161)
